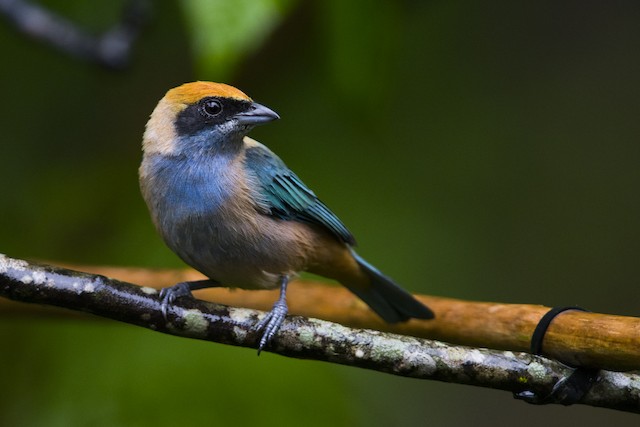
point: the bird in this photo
(230, 208)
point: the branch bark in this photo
(575, 338)
(302, 337)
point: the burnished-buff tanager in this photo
(230, 208)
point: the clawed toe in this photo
(271, 323)
(273, 320)
(169, 295)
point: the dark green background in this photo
(483, 151)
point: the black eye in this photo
(212, 107)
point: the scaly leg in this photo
(273, 320)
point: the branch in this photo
(307, 338)
(575, 338)
(111, 49)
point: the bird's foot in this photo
(170, 294)
(271, 322)
(182, 289)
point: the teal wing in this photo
(285, 196)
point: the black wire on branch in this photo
(307, 338)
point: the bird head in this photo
(202, 116)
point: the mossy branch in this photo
(576, 338)
(307, 338)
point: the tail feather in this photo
(386, 298)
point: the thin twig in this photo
(110, 49)
(307, 338)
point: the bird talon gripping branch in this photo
(230, 208)
(170, 294)
(270, 324)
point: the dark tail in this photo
(386, 298)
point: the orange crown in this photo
(190, 93)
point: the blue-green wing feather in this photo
(285, 196)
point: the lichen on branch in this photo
(306, 338)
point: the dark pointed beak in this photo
(257, 114)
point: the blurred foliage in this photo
(484, 151)
(102, 374)
(223, 32)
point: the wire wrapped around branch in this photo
(592, 340)
(306, 338)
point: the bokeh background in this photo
(484, 151)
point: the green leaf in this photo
(223, 32)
